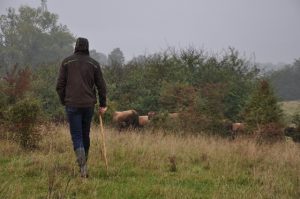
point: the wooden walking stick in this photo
(103, 143)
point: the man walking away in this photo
(79, 76)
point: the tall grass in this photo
(141, 165)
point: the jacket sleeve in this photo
(61, 83)
(101, 86)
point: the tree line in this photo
(286, 81)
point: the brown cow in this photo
(237, 128)
(144, 120)
(125, 119)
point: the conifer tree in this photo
(262, 110)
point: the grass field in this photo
(140, 167)
(290, 108)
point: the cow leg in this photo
(233, 135)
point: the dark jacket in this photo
(79, 76)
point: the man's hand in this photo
(102, 110)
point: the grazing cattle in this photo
(144, 120)
(125, 119)
(237, 128)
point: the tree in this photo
(262, 113)
(31, 37)
(116, 58)
(286, 81)
(114, 71)
(100, 57)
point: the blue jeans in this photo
(80, 123)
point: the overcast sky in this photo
(268, 29)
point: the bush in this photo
(162, 121)
(3, 101)
(43, 85)
(270, 133)
(292, 132)
(17, 82)
(23, 118)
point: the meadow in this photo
(290, 108)
(147, 163)
(150, 164)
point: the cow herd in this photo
(131, 119)
(126, 119)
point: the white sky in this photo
(270, 29)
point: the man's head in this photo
(82, 45)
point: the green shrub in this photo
(269, 133)
(162, 121)
(23, 117)
(43, 85)
(262, 113)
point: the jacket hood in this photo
(82, 46)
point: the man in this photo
(78, 76)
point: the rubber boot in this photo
(81, 160)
